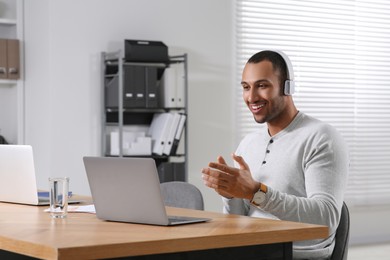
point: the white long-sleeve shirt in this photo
(305, 167)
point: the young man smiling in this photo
(295, 169)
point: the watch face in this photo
(258, 198)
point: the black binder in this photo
(134, 87)
(151, 87)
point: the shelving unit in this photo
(139, 118)
(12, 91)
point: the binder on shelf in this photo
(168, 88)
(134, 86)
(151, 87)
(180, 85)
(171, 134)
(3, 59)
(158, 130)
(178, 133)
(172, 93)
(13, 59)
(139, 88)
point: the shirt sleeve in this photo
(235, 206)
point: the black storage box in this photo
(146, 51)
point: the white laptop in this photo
(128, 190)
(17, 176)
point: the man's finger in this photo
(221, 160)
(224, 168)
(240, 161)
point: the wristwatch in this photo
(260, 196)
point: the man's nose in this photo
(253, 95)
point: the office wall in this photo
(63, 42)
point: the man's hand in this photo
(229, 181)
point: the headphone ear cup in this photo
(289, 87)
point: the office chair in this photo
(340, 251)
(181, 195)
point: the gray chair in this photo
(182, 195)
(340, 251)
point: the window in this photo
(340, 51)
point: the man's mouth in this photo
(256, 107)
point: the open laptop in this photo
(17, 176)
(128, 190)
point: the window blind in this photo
(340, 51)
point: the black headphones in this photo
(289, 84)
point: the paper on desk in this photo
(80, 208)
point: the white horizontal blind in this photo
(340, 51)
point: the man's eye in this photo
(245, 87)
(261, 86)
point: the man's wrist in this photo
(260, 195)
(256, 189)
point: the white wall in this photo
(63, 42)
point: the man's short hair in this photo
(278, 63)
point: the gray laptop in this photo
(128, 190)
(17, 176)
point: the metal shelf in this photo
(119, 117)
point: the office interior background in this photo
(63, 41)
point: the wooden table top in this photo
(31, 231)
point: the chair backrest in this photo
(340, 251)
(182, 195)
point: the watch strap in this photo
(263, 187)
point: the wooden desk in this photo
(27, 230)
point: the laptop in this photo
(17, 174)
(128, 190)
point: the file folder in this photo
(171, 134)
(151, 87)
(13, 59)
(168, 88)
(180, 86)
(158, 130)
(134, 87)
(3, 59)
(173, 87)
(178, 134)
(139, 88)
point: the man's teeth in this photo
(257, 106)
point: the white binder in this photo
(173, 87)
(159, 130)
(178, 134)
(172, 132)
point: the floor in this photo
(369, 252)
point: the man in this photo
(295, 169)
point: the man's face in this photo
(261, 91)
